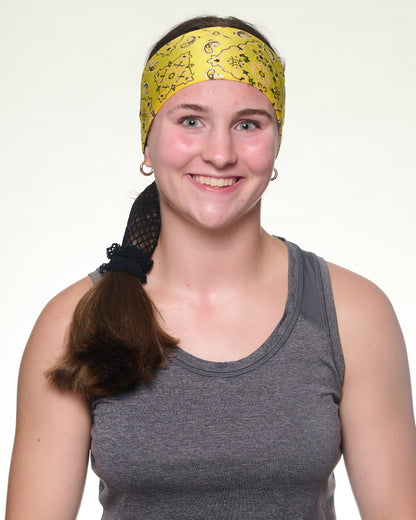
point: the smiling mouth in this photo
(215, 183)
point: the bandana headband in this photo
(209, 54)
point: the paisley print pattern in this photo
(210, 54)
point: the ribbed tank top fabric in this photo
(256, 438)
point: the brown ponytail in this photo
(115, 340)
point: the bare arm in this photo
(378, 430)
(50, 453)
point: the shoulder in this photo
(46, 341)
(357, 298)
(46, 344)
(65, 301)
(370, 334)
(377, 379)
(365, 315)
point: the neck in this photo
(207, 261)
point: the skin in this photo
(225, 268)
(231, 135)
(50, 453)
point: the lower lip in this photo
(215, 189)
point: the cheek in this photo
(171, 148)
(180, 142)
(260, 154)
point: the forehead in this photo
(225, 94)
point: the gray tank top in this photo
(251, 439)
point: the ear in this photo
(147, 159)
(278, 142)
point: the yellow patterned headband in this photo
(209, 54)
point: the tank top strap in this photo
(312, 300)
(317, 301)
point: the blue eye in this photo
(247, 125)
(191, 122)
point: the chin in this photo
(219, 222)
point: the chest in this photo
(269, 429)
(225, 329)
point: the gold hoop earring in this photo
(275, 174)
(143, 171)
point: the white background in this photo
(70, 151)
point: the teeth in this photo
(216, 183)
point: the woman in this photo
(224, 370)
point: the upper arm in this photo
(378, 430)
(50, 453)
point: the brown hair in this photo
(207, 21)
(115, 339)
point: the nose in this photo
(219, 148)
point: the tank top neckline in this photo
(270, 346)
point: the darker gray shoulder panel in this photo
(312, 298)
(95, 276)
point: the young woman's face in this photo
(212, 146)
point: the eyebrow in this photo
(254, 112)
(190, 106)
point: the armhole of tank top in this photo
(331, 316)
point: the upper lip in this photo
(214, 176)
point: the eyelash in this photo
(187, 119)
(254, 124)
